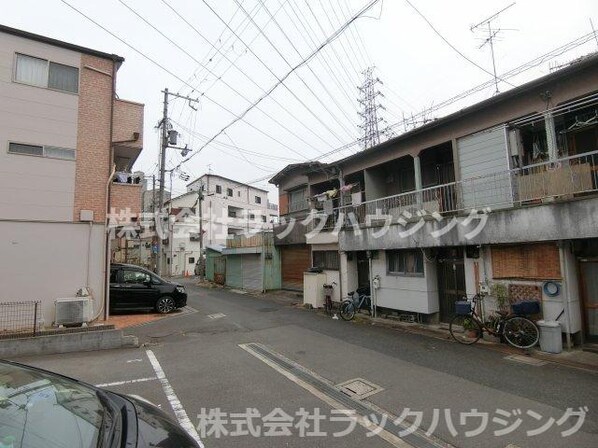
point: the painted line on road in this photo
(361, 419)
(216, 316)
(174, 401)
(120, 383)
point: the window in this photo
(42, 73)
(191, 260)
(297, 200)
(229, 191)
(52, 152)
(264, 218)
(238, 193)
(326, 259)
(132, 276)
(251, 216)
(258, 200)
(405, 262)
(232, 213)
(218, 189)
(193, 236)
(114, 276)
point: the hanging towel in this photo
(332, 193)
(356, 198)
(328, 207)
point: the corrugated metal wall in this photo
(483, 154)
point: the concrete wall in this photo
(348, 274)
(548, 222)
(36, 188)
(46, 261)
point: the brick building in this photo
(67, 146)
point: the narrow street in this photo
(207, 364)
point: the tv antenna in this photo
(486, 24)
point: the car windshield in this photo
(40, 409)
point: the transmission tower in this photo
(369, 102)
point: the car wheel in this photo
(165, 305)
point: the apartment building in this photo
(498, 197)
(67, 145)
(229, 208)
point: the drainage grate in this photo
(359, 388)
(416, 439)
(526, 360)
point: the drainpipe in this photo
(111, 171)
(565, 294)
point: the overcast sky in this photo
(315, 109)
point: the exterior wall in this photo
(125, 196)
(93, 136)
(128, 119)
(406, 293)
(348, 274)
(47, 261)
(36, 188)
(332, 276)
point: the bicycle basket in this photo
(462, 308)
(527, 307)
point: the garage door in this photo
(234, 275)
(252, 273)
(295, 261)
(485, 154)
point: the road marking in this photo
(216, 316)
(120, 383)
(360, 419)
(174, 401)
(135, 360)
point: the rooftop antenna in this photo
(492, 33)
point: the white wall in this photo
(46, 261)
(406, 293)
(36, 188)
(348, 274)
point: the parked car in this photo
(135, 288)
(41, 408)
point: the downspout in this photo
(111, 171)
(565, 293)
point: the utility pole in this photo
(200, 214)
(167, 140)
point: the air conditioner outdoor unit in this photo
(73, 310)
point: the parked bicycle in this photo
(518, 330)
(355, 301)
(328, 305)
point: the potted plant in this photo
(500, 292)
(469, 327)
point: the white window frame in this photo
(47, 87)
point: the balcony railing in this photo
(541, 182)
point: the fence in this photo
(19, 319)
(564, 178)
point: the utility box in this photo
(551, 340)
(313, 289)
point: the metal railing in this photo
(19, 319)
(564, 178)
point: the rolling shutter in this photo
(252, 272)
(295, 260)
(234, 274)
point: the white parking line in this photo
(216, 316)
(174, 401)
(120, 383)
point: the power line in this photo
(300, 64)
(455, 49)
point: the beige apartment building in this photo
(67, 144)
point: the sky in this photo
(301, 61)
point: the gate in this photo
(220, 270)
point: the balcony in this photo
(125, 196)
(127, 138)
(560, 180)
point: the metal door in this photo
(451, 284)
(220, 270)
(589, 279)
(253, 272)
(363, 269)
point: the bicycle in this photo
(467, 327)
(328, 306)
(357, 300)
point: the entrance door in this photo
(363, 269)
(589, 277)
(451, 282)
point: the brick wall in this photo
(123, 196)
(128, 118)
(93, 137)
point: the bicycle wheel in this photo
(347, 310)
(465, 329)
(521, 332)
(328, 306)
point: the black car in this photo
(136, 288)
(40, 408)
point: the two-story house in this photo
(499, 196)
(228, 208)
(67, 145)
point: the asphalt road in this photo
(205, 363)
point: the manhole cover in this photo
(359, 388)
